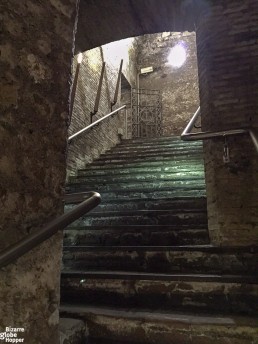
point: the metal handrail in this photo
(95, 123)
(203, 135)
(26, 244)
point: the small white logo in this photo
(12, 335)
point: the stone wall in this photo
(35, 53)
(90, 145)
(179, 86)
(227, 48)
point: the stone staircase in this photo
(140, 267)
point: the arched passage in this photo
(103, 22)
(226, 34)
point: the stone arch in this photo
(101, 22)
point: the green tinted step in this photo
(186, 203)
(191, 175)
(152, 149)
(132, 158)
(181, 163)
(157, 140)
(152, 139)
(131, 205)
(134, 183)
(200, 293)
(148, 154)
(145, 327)
(158, 204)
(156, 146)
(176, 192)
(163, 168)
(139, 185)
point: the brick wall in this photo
(227, 46)
(90, 145)
(179, 86)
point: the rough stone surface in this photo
(227, 48)
(35, 53)
(72, 331)
(132, 18)
(232, 194)
(161, 327)
(178, 86)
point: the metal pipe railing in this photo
(10, 254)
(254, 137)
(95, 123)
(204, 135)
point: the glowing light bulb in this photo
(177, 56)
(79, 58)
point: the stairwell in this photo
(140, 267)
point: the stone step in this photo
(131, 154)
(139, 185)
(162, 169)
(176, 192)
(133, 159)
(143, 217)
(159, 150)
(157, 145)
(145, 177)
(167, 259)
(180, 163)
(172, 138)
(187, 203)
(72, 331)
(200, 293)
(136, 235)
(146, 326)
(157, 140)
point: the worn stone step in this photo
(180, 163)
(72, 331)
(159, 150)
(167, 259)
(176, 192)
(145, 177)
(143, 326)
(157, 145)
(187, 203)
(139, 185)
(149, 154)
(136, 235)
(162, 169)
(133, 159)
(200, 293)
(143, 217)
(156, 140)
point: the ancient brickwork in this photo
(35, 53)
(179, 86)
(227, 52)
(227, 48)
(90, 145)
